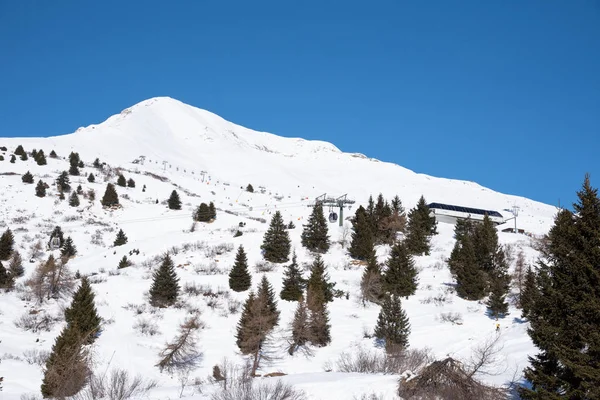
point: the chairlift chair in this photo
(55, 243)
(333, 217)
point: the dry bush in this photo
(37, 321)
(182, 353)
(264, 266)
(136, 308)
(453, 317)
(370, 362)
(211, 269)
(118, 385)
(36, 251)
(218, 250)
(372, 396)
(146, 327)
(36, 356)
(51, 279)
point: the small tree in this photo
(82, 312)
(74, 200)
(121, 238)
(19, 150)
(318, 322)
(121, 181)
(392, 324)
(40, 189)
(266, 296)
(529, 293)
(314, 236)
(421, 226)
(53, 154)
(300, 333)
(400, 276)
(174, 202)
(165, 286)
(249, 188)
(239, 277)
(63, 183)
(7, 242)
(293, 282)
(91, 178)
(74, 170)
(371, 283)
(97, 163)
(124, 263)
(130, 183)
(27, 177)
(15, 266)
(182, 353)
(40, 158)
(74, 159)
(212, 210)
(68, 250)
(276, 242)
(318, 285)
(13, 158)
(362, 237)
(24, 157)
(202, 213)
(110, 198)
(6, 279)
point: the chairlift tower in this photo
(339, 202)
(515, 212)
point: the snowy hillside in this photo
(164, 145)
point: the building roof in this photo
(467, 210)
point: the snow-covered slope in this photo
(178, 143)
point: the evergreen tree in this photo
(79, 190)
(13, 158)
(68, 250)
(392, 326)
(397, 205)
(40, 189)
(319, 288)
(249, 188)
(91, 178)
(74, 159)
(165, 286)
(266, 296)
(239, 277)
(110, 198)
(564, 318)
(529, 293)
(121, 181)
(293, 282)
(470, 279)
(40, 158)
(53, 154)
(276, 242)
(7, 242)
(245, 339)
(174, 202)
(96, 163)
(371, 215)
(15, 266)
(27, 177)
(314, 236)
(362, 237)
(24, 157)
(318, 321)
(74, 170)
(130, 183)
(212, 210)
(57, 233)
(121, 238)
(485, 240)
(499, 283)
(19, 150)
(63, 183)
(66, 369)
(81, 164)
(202, 213)
(400, 276)
(74, 200)
(124, 263)
(82, 312)
(300, 328)
(6, 279)
(61, 195)
(421, 226)
(371, 283)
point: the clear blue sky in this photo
(503, 93)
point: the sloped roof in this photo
(466, 210)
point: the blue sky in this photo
(503, 93)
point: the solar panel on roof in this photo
(467, 210)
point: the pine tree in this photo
(40, 158)
(362, 237)
(7, 242)
(121, 238)
(203, 213)
(392, 326)
(57, 233)
(13, 158)
(371, 284)
(27, 177)
(266, 296)
(165, 286)
(174, 202)
(19, 150)
(130, 183)
(6, 279)
(24, 157)
(400, 276)
(96, 163)
(371, 215)
(249, 188)
(124, 263)
(40, 189)
(421, 226)
(82, 312)
(66, 368)
(485, 240)
(81, 164)
(276, 242)
(529, 292)
(121, 181)
(499, 283)
(68, 250)
(212, 210)
(110, 198)
(53, 154)
(74, 170)
(564, 317)
(239, 277)
(244, 336)
(314, 236)
(318, 285)
(63, 183)
(74, 159)
(300, 328)
(318, 321)
(293, 282)
(470, 279)
(91, 178)
(74, 200)
(15, 266)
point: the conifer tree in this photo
(27, 177)
(564, 317)
(485, 240)
(318, 284)
(371, 214)
(400, 276)
(96, 163)
(34, 153)
(63, 182)
(79, 190)
(15, 266)
(110, 198)
(57, 233)
(293, 282)
(392, 326)
(499, 284)
(165, 284)
(7, 242)
(81, 164)
(24, 157)
(470, 279)
(130, 183)
(53, 154)
(74, 170)
(82, 312)
(266, 295)
(249, 188)
(74, 159)
(74, 200)
(212, 210)
(68, 250)
(314, 236)
(66, 369)
(174, 202)
(362, 237)
(19, 150)
(124, 263)
(202, 213)
(239, 277)
(40, 158)
(276, 242)
(40, 189)
(13, 158)
(300, 328)
(91, 178)
(529, 292)
(318, 321)
(121, 181)
(121, 238)
(371, 284)
(421, 226)
(6, 279)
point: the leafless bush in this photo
(118, 385)
(486, 358)
(264, 266)
(96, 279)
(370, 362)
(51, 279)
(218, 250)
(37, 321)
(136, 308)
(191, 289)
(36, 251)
(97, 238)
(193, 246)
(372, 396)
(71, 218)
(36, 356)
(21, 219)
(233, 306)
(439, 300)
(146, 327)
(453, 317)
(182, 352)
(210, 269)
(174, 250)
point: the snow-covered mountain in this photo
(164, 145)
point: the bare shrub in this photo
(72, 218)
(453, 317)
(233, 306)
(218, 250)
(486, 358)
(97, 238)
(36, 251)
(146, 327)
(264, 266)
(372, 396)
(118, 385)
(36, 356)
(37, 321)
(210, 269)
(51, 279)
(182, 352)
(370, 362)
(136, 308)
